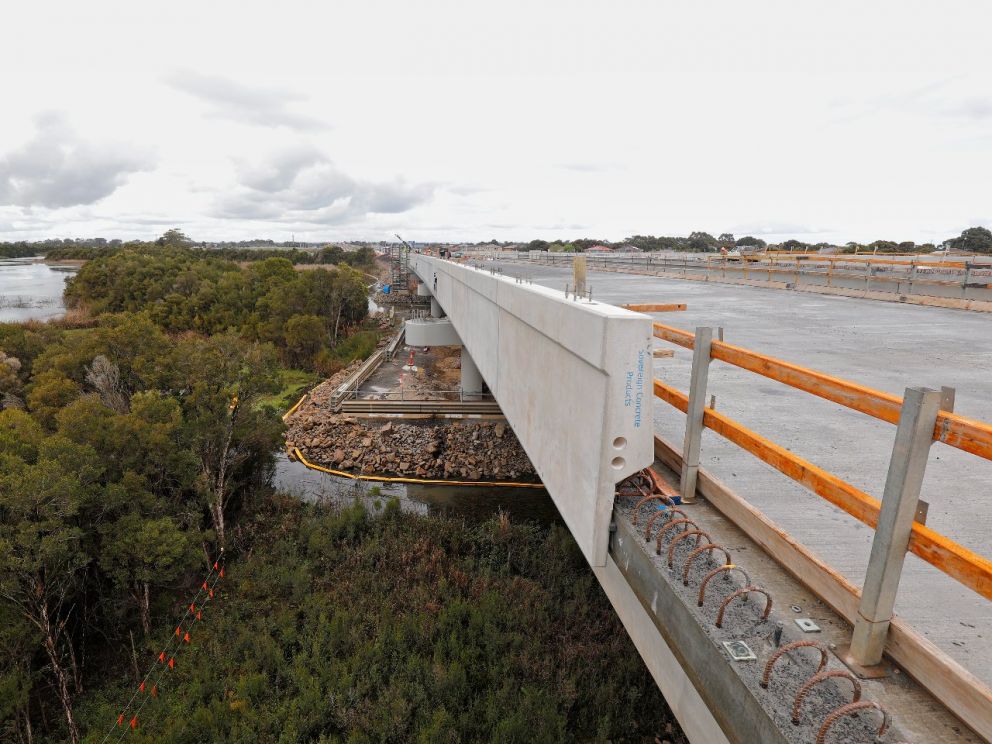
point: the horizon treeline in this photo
(972, 240)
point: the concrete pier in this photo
(471, 380)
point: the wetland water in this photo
(475, 503)
(32, 290)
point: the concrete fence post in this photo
(967, 278)
(914, 436)
(694, 416)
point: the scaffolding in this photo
(399, 263)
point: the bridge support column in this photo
(436, 310)
(471, 382)
(694, 417)
(900, 499)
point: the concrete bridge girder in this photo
(572, 377)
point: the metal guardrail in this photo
(349, 387)
(434, 407)
(354, 381)
(394, 344)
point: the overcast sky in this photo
(511, 120)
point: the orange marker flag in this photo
(161, 657)
(192, 608)
(199, 615)
(120, 720)
(186, 637)
(222, 573)
(211, 593)
(141, 687)
(177, 630)
(154, 690)
(172, 662)
(204, 587)
(134, 722)
(215, 565)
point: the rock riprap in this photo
(459, 450)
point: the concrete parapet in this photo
(572, 377)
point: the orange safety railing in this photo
(969, 435)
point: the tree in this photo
(973, 240)
(702, 242)
(229, 435)
(305, 336)
(174, 238)
(330, 254)
(749, 241)
(42, 551)
(141, 552)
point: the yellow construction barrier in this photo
(291, 411)
(295, 451)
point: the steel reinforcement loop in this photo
(697, 552)
(706, 580)
(743, 592)
(659, 496)
(639, 481)
(824, 655)
(670, 512)
(698, 534)
(817, 679)
(664, 531)
(850, 709)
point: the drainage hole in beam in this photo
(618, 462)
(619, 443)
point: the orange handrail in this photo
(971, 569)
(969, 435)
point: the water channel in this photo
(31, 289)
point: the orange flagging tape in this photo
(184, 637)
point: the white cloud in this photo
(301, 184)
(56, 168)
(514, 120)
(230, 99)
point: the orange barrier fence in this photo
(963, 433)
(967, 567)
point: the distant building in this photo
(599, 249)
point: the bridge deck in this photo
(883, 345)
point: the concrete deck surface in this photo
(883, 345)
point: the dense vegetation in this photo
(363, 259)
(343, 627)
(136, 440)
(248, 250)
(125, 452)
(304, 314)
